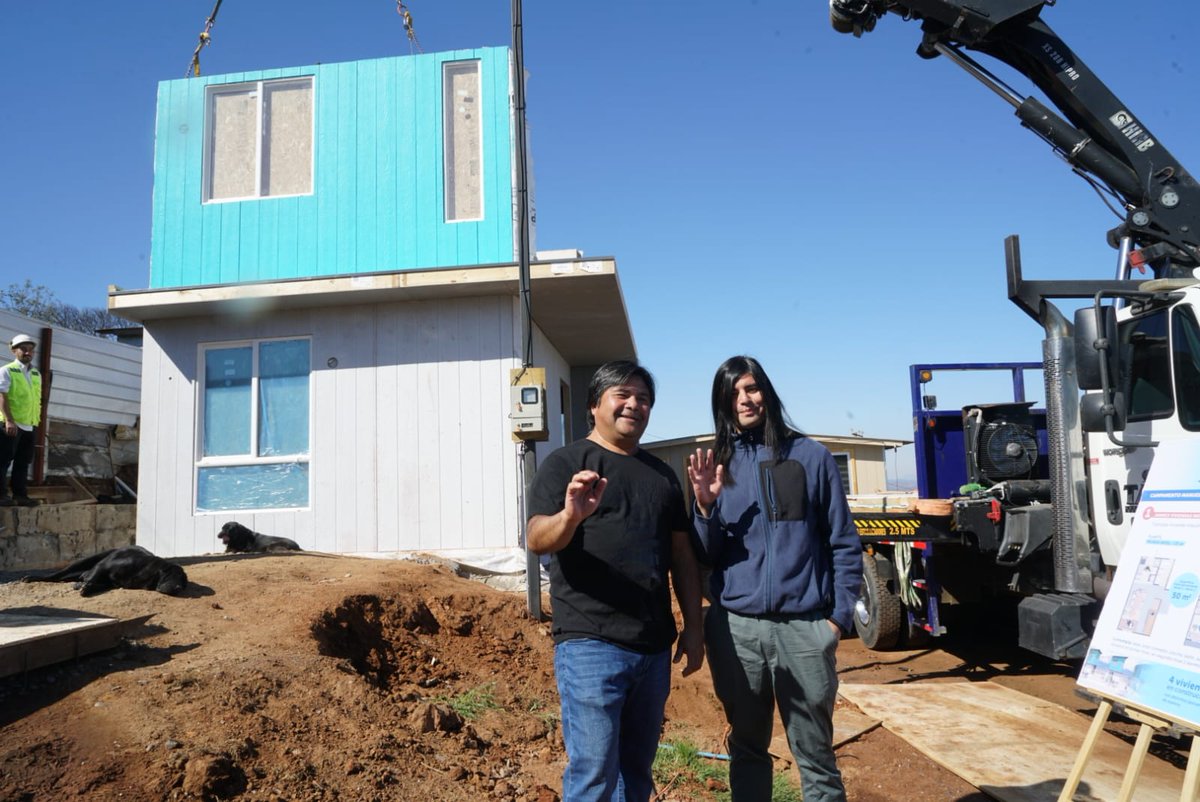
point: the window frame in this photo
(1183, 316)
(200, 461)
(848, 476)
(447, 216)
(258, 87)
(1125, 333)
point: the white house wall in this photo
(410, 443)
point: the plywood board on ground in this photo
(33, 637)
(1007, 744)
(847, 725)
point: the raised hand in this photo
(584, 492)
(707, 478)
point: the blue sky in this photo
(834, 206)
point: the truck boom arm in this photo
(1160, 199)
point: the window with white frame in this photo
(462, 144)
(259, 139)
(254, 426)
(843, 465)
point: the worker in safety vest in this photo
(20, 411)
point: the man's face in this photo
(24, 353)
(623, 412)
(747, 403)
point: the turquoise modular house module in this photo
(332, 315)
(387, 164)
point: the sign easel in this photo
(1144, 656)
(1149, 723)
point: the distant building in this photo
(861, 460)
(333, 314)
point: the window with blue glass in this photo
(254, 428)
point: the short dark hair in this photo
(776, 427)
(614, 374)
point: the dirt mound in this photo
(311, 677)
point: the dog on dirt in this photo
(239, 539)
(129, 567)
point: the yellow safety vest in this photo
(24, 401)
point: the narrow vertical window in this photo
(463, 141)
(843, 466)
(259, 140)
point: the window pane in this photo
(843, 465)
(1187, 368)
(1149, 389)
(283, 398)
(232, 154)
(461, 115)
(287, 138)
(227, 401)
(252, 487)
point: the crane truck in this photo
(1036, 503)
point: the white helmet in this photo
(21, 339)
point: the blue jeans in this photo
(612, 713)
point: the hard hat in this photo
(21, 339)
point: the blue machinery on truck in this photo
(982, 455)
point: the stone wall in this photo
(55, 534)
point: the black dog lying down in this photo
(240, 540)
(130, 567)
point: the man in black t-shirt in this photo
(613, 520)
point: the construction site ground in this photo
(316, 677)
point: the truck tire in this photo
(878, 612)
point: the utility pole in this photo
(533, 567)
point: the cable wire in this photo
(403, 11)
(205, 40)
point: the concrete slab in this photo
(1011, 746)
(33, 637)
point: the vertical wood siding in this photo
(410, 447)
(377, 201)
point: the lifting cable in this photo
(402, 10)
(206, 35)
(205, 39)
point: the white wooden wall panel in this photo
(150, 451)
(496, 457)
(406, 482)
(410, 445)
(388, 418)
(369, 484)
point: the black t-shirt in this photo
(610, 581)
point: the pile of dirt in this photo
(314, 677)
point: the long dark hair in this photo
(776, 426)
(614, 374)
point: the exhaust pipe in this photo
(1068, 483)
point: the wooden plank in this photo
(847, 725)
(1011, 746)
(32, 638)
(1085, 751)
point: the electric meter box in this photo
(527, 389)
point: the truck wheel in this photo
(878, 612)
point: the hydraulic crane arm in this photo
(1160, 199)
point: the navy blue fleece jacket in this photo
(780, 539)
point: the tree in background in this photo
(37, 301)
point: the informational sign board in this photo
(1146, 649)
